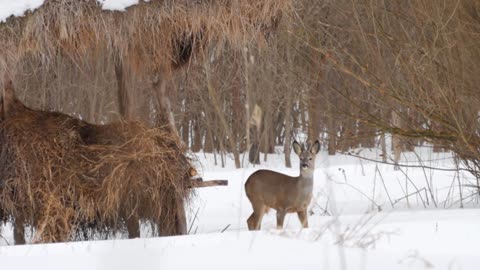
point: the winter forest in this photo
(140, 133)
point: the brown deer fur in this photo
(286, 194)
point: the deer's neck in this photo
(306, 177)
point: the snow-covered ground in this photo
(364, 215)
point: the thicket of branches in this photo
(347, 72)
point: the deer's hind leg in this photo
(255, 220)
(302, 215)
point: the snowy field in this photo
(364, 215)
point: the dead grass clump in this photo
(148, 35)
(68, 179)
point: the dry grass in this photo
(70, 180)
(148, 36)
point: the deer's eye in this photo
(309, 158)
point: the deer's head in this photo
(307, 154)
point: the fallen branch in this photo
(194, 183)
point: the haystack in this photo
(70, 180)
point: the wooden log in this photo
(198, 183)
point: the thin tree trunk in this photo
(302, 119)
(288, 112)
(19, 231)
(237, 113)
(265, 137)
(180, 219)
(331, 131)
(348, 138)
(255, 125)
(383, 143)
(124, 100)
(254, 152)
(313, 116)
(409, 143)
(367, 135)
(165, 116)
(186, 121)
(247, 100)
(209, 145)
(396, 141)
(332, 137)
(222, 151)
(314, 98)
(197, 136)
(288, 128)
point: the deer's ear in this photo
(315, 147)
(297, 148)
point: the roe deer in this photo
(286, 194)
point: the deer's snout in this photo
(304, 166)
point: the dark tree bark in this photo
(124, 99)
(254, 151)
(197, 136)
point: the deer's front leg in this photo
(280, 219)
